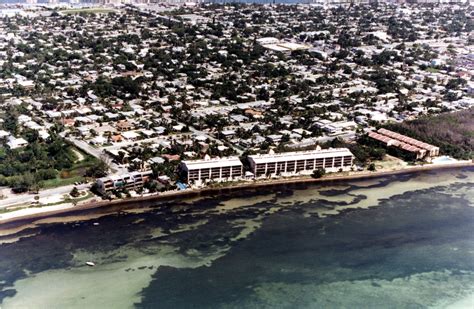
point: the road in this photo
(98, 153)
(17, 199)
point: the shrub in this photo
(74, 192)
(371, 167)
(65, 174)
(318, 173)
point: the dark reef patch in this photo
(407, 235)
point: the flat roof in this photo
(210, 163)
(300, 155)
(122, 176)
(293, 46)
(276, 47)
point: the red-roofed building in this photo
(389, 138)
(68, 122)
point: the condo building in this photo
(130, 181)
(218, 169)
(419, 149)
(301, 162)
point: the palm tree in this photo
(121, 157)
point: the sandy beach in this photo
(29, 214)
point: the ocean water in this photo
(401, 241)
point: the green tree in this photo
(74, 192)
(99, 169)
(371, 167)
(318, 173)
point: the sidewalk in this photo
(24, 198)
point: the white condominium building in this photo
(301, 162)
(213, 169)
(130, 181)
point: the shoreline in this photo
(65, 209)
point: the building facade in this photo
(419, 149)
(301, 162)
(218, 169)
(130, 181)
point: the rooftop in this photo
(300, 155)
(210, 163)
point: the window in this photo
(328, 163)
(347, 160)
(226, 172)
(236, 171)
(290, 166)
(300, 165)
(215, 172)
(260, 169)
(205, 173)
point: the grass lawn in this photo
(432, 70)
(58, 182)
(389, 163)
(88, 10)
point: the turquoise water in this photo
(393, 242)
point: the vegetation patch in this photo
(452, 132)
(42, 165)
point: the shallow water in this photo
(401, 241)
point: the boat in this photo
(90, 264)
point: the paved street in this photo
(98, 153)
(14, 199)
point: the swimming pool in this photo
(444, 159)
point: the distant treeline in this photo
(452, 132)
